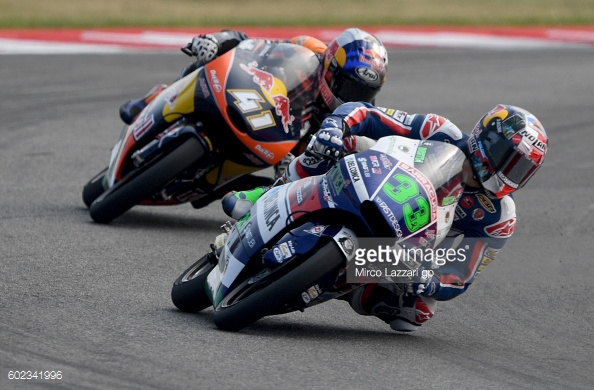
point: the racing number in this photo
(248, 101)
(405, 193)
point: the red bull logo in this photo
(261, 77)
(266, 81)
(282, 109)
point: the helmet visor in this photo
(350, 90)
(514, 165)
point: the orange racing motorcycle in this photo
(206, 133)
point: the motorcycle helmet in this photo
(355, 68)
(507, 146)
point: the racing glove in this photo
(205, 47)
(425, 286)
(327, 142)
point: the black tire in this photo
(247, 303)
(146, 181)
(189, 292)
(93, 188)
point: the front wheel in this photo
(263, 294)
(146, 181)
(189, 292)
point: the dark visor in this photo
(505, 158)
(350, 90)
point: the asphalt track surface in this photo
(92, 301)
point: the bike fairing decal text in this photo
(271, 211)
(356, 178)
(271, 208)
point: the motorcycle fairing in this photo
(425, 221)
(167, 107)
(259, 107)
(228, 82)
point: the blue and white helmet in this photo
(355, 68)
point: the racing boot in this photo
(403, 312)
(236, 204)
(130, 109)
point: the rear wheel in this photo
(189, 291)
(263, 293)
(146, 181)
(93, 188)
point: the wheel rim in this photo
(200, 268)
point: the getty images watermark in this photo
(375, 262)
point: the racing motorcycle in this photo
(240, 113)
(296, 247)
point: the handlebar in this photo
(188, 49)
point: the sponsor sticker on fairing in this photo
(356, 178)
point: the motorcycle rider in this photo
(353, 67)
(504, 150)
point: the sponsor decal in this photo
(356, 178)
(478, 214)
(400, 116)
(262, 78)
(314, 291)
(501, 229)
(266, 81)
(363, 162)
(534, 140)
(282, 109)
(486, 203)
(367, 74)
(311, 161)
(467, 202)
(265, 152)
(472, 146)
(141, 126)
(337, 179)
(353, 170)
(305, 297)
(506, 180)
(459, 214)
(327, 195)
(491, 252)
(386, 161)
(278, 255)
(317, 230)
(431, 125)
(390, 215)
(286, 249)
(420, 155)
(484, 262)
(248, 236)
(347, 244)
(215, 82)
(421, 178)
(271, 211)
